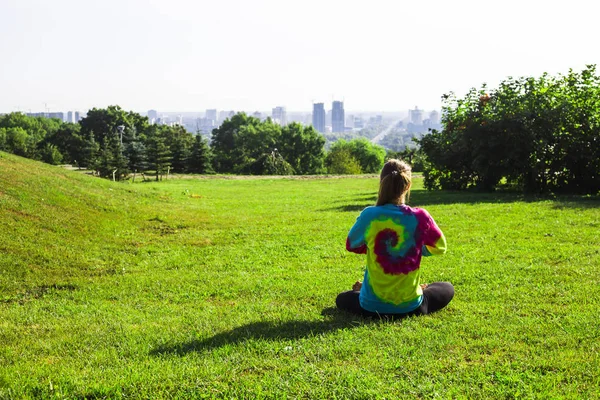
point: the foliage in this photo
(136, 154)
(18, 141)
(271, 164)
(68, 141)
(411, 155)
(540, 134)
(254, 142)
(226, 144)
(200, 160)
(243, 145)
(88, 153)
(302, 147)
(340, 161)
(112, 161)
(158, 152)
(105, 122)
(50, 154)
(369, 156)
(180, 142)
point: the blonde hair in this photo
(394, 182)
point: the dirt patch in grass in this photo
(38, 292)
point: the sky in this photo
(247, 55)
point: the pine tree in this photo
(135, 151)
(200, 160)
(159, 155)
(88, 157)
(112, 161)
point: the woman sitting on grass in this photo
(394, 236)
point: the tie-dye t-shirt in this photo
(394, 238)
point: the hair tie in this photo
(394, 173)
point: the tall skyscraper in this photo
(279, 115)
(70, 117)
(318, 117)
(338, 119)
(77, 116)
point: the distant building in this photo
(359, 123)
(416, 116)
(211, 114)
(307, 119)
(78, 116)
(338, 119)
(434, 117)
(70, 117)
(318, 117)
(279, 115)
(223, 115)
(350, 121)
(153, 116)
(206, 125)
(257, 114)
(433, 122)
(58, 115)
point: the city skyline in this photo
(259, 55)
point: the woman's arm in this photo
(355, 242)
(435, 241)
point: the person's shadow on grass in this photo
(268, 330)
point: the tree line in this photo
(119, 144)
(535, 134)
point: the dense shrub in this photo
(539, 134)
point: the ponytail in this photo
(395, 181)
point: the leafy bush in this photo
(540, 134)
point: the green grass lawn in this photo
(226, 288)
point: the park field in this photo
(225, 288)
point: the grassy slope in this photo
(225, 288)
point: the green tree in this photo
(89, 153)
(180, 144)
(255, 143)
(303, 148)
(136, 154)
(3, 139)
(540, 134)
(227, 146)
(369, 156)
(112, 161)
(51, 155)
(104, 122)
(200, 160)
(340, 161)
(17, 141)
(270, 164)
(67, 141)
(158, 153)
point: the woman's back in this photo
(394, 237)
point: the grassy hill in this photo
(226, 287)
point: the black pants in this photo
(436, 296)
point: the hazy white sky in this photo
(377, 55)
